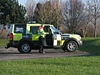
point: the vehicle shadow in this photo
(46, 51)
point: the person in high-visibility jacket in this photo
(42, 39)
(41, 30)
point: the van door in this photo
(56, 37)
(57, 40)
(34, 31)
(48, 36)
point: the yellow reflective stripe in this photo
(17, 36)
(28, 29)
(35, 37)
(34, 24)
(75, 36)
(62, 42)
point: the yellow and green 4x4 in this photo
(26, 37)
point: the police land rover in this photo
(26, 37)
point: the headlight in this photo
(78, 37)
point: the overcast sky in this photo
(23, 2)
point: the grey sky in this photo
(23, 2)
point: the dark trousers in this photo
(41, 40)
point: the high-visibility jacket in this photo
(41, 30)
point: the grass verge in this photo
(89, 65)
(83, 65)
(3, 42)
(91, 45)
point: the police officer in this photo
(41, 39)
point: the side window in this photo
(19, 29)
(47, 29)
(34, 29)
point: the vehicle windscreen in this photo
(55, 31)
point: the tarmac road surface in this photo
(13, 54)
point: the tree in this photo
(12, 12)
(94, 13)
(73, 14)
(57, 13)
(86, 20)
(30, 8)
(49, 12)
(17, 13)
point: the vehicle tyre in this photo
(71, 46)
(24, 48)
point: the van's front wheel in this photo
(24, 48)
(71, 46)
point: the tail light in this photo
(10, 36)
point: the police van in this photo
(26, 37)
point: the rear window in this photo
(19, 29)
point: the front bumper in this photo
(79, 42)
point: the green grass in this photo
(88, 65)
(80, 65)
(3, 42)
(91, 45)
